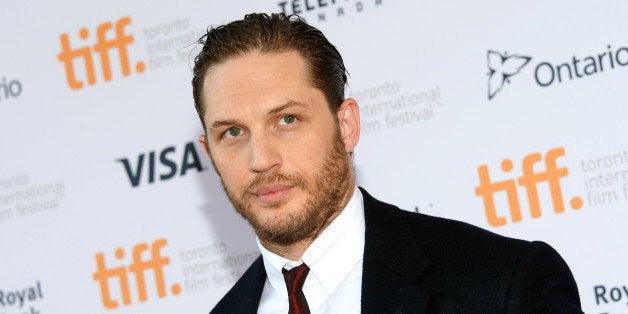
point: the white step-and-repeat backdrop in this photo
(512, 116)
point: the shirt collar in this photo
(331, 256)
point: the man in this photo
(270, 94)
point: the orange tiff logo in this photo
(138, 268)
(530, 180)
(104, 44)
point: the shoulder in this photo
(461, 239)
(475, 266)
(434, 234)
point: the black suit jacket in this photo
(415, 263)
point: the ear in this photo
(349, 122)
(203, 140)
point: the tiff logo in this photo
(138, 268)
(104, 44)
(530, 180)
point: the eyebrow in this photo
(220, 123)
(290, 104)
(287, 105)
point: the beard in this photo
(325, 193)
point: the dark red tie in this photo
(295, 278)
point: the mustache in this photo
(293, 179)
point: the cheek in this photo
(309, 154)
(231, 171)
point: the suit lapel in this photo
(245, 295)
(392, 262)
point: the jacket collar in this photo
(392, 262)
(245, 296)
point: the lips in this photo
(273, 193)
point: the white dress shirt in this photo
(334, 283)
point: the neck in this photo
(293, 251)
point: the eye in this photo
(287, 119)
(233, 132)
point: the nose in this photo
(264, 153)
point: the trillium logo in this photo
(501, 67)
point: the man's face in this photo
(276, 145)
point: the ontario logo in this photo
(79, 62)
(138, 269)
(538, 171)
(502, 67)
(11, 88)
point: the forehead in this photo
(256, 63)
(256, 77)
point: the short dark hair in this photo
(272, 33)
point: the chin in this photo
(279, 211)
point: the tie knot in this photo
(295, 277)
